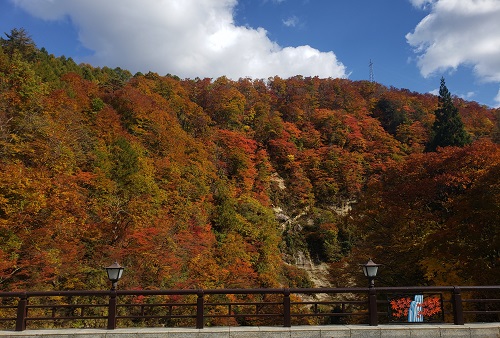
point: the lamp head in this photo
(115, 272)
(370, 269)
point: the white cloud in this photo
(291, 21)
(422, 3)
(497, 100)
(434, 92)
(188, 38)
(470, 95)
(467, 96)
(274, 1)
(459, 32)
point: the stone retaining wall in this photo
(486, 330)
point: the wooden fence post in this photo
(372, 306)
(112, 310)
(287, 318)
(22, 312)
(200, 304)
(458, 313)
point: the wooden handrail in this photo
(367, 303)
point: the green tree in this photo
(448, 128)
(19, 40)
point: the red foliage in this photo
(400, 307)
(430, 307)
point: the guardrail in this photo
(232, 307)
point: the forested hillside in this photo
(219, 183)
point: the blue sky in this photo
(412, 43)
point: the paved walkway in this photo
(486, 330)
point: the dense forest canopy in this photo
(221, 183)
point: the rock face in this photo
(297, 251)
(292, 223)
(317, 273)
(344, 207)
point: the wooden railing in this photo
(232, 307)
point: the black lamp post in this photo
(370, 270)
(115, 272)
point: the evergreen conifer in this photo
(448, 128)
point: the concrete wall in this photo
(487, 330)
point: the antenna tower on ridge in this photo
(372, 78)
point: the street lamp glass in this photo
(370, 269)
(115, 272)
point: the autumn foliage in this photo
(219, 183)
(430, 307)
